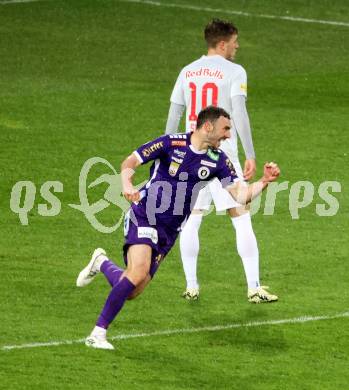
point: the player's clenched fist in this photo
(271, 171)
(131, 194)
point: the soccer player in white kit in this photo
(215, 80)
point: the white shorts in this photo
(221, 197)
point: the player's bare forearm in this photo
(244, 194)
(128, 167)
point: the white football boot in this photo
(98, 342)
(191, 294)
(261, 295)
(92, 269)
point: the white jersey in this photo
(210, 80)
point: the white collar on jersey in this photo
(197, 151)
(212, 56)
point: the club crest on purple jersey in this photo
(203, 173)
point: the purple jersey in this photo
(178, 173)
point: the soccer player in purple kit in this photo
(183, 164)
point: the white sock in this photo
(247, 248)
(189, 245)
(99, 332)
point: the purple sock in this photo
(115, 302)
(111, 271)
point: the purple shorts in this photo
(137, 230)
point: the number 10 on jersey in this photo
(194, 107)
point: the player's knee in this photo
(138, 274)
(140, 287)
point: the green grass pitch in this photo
(89, 78)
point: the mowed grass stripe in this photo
(169, 332)
(19, 1)
(209, 9)
(240, 13)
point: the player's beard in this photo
(232, 56)
(213, 142)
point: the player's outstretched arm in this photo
(244, 194)
(128, 167)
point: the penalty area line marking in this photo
(239, 13)
(169, 332)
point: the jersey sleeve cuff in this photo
(139, 158)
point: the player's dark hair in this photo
(219, 30)
(210, 114)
